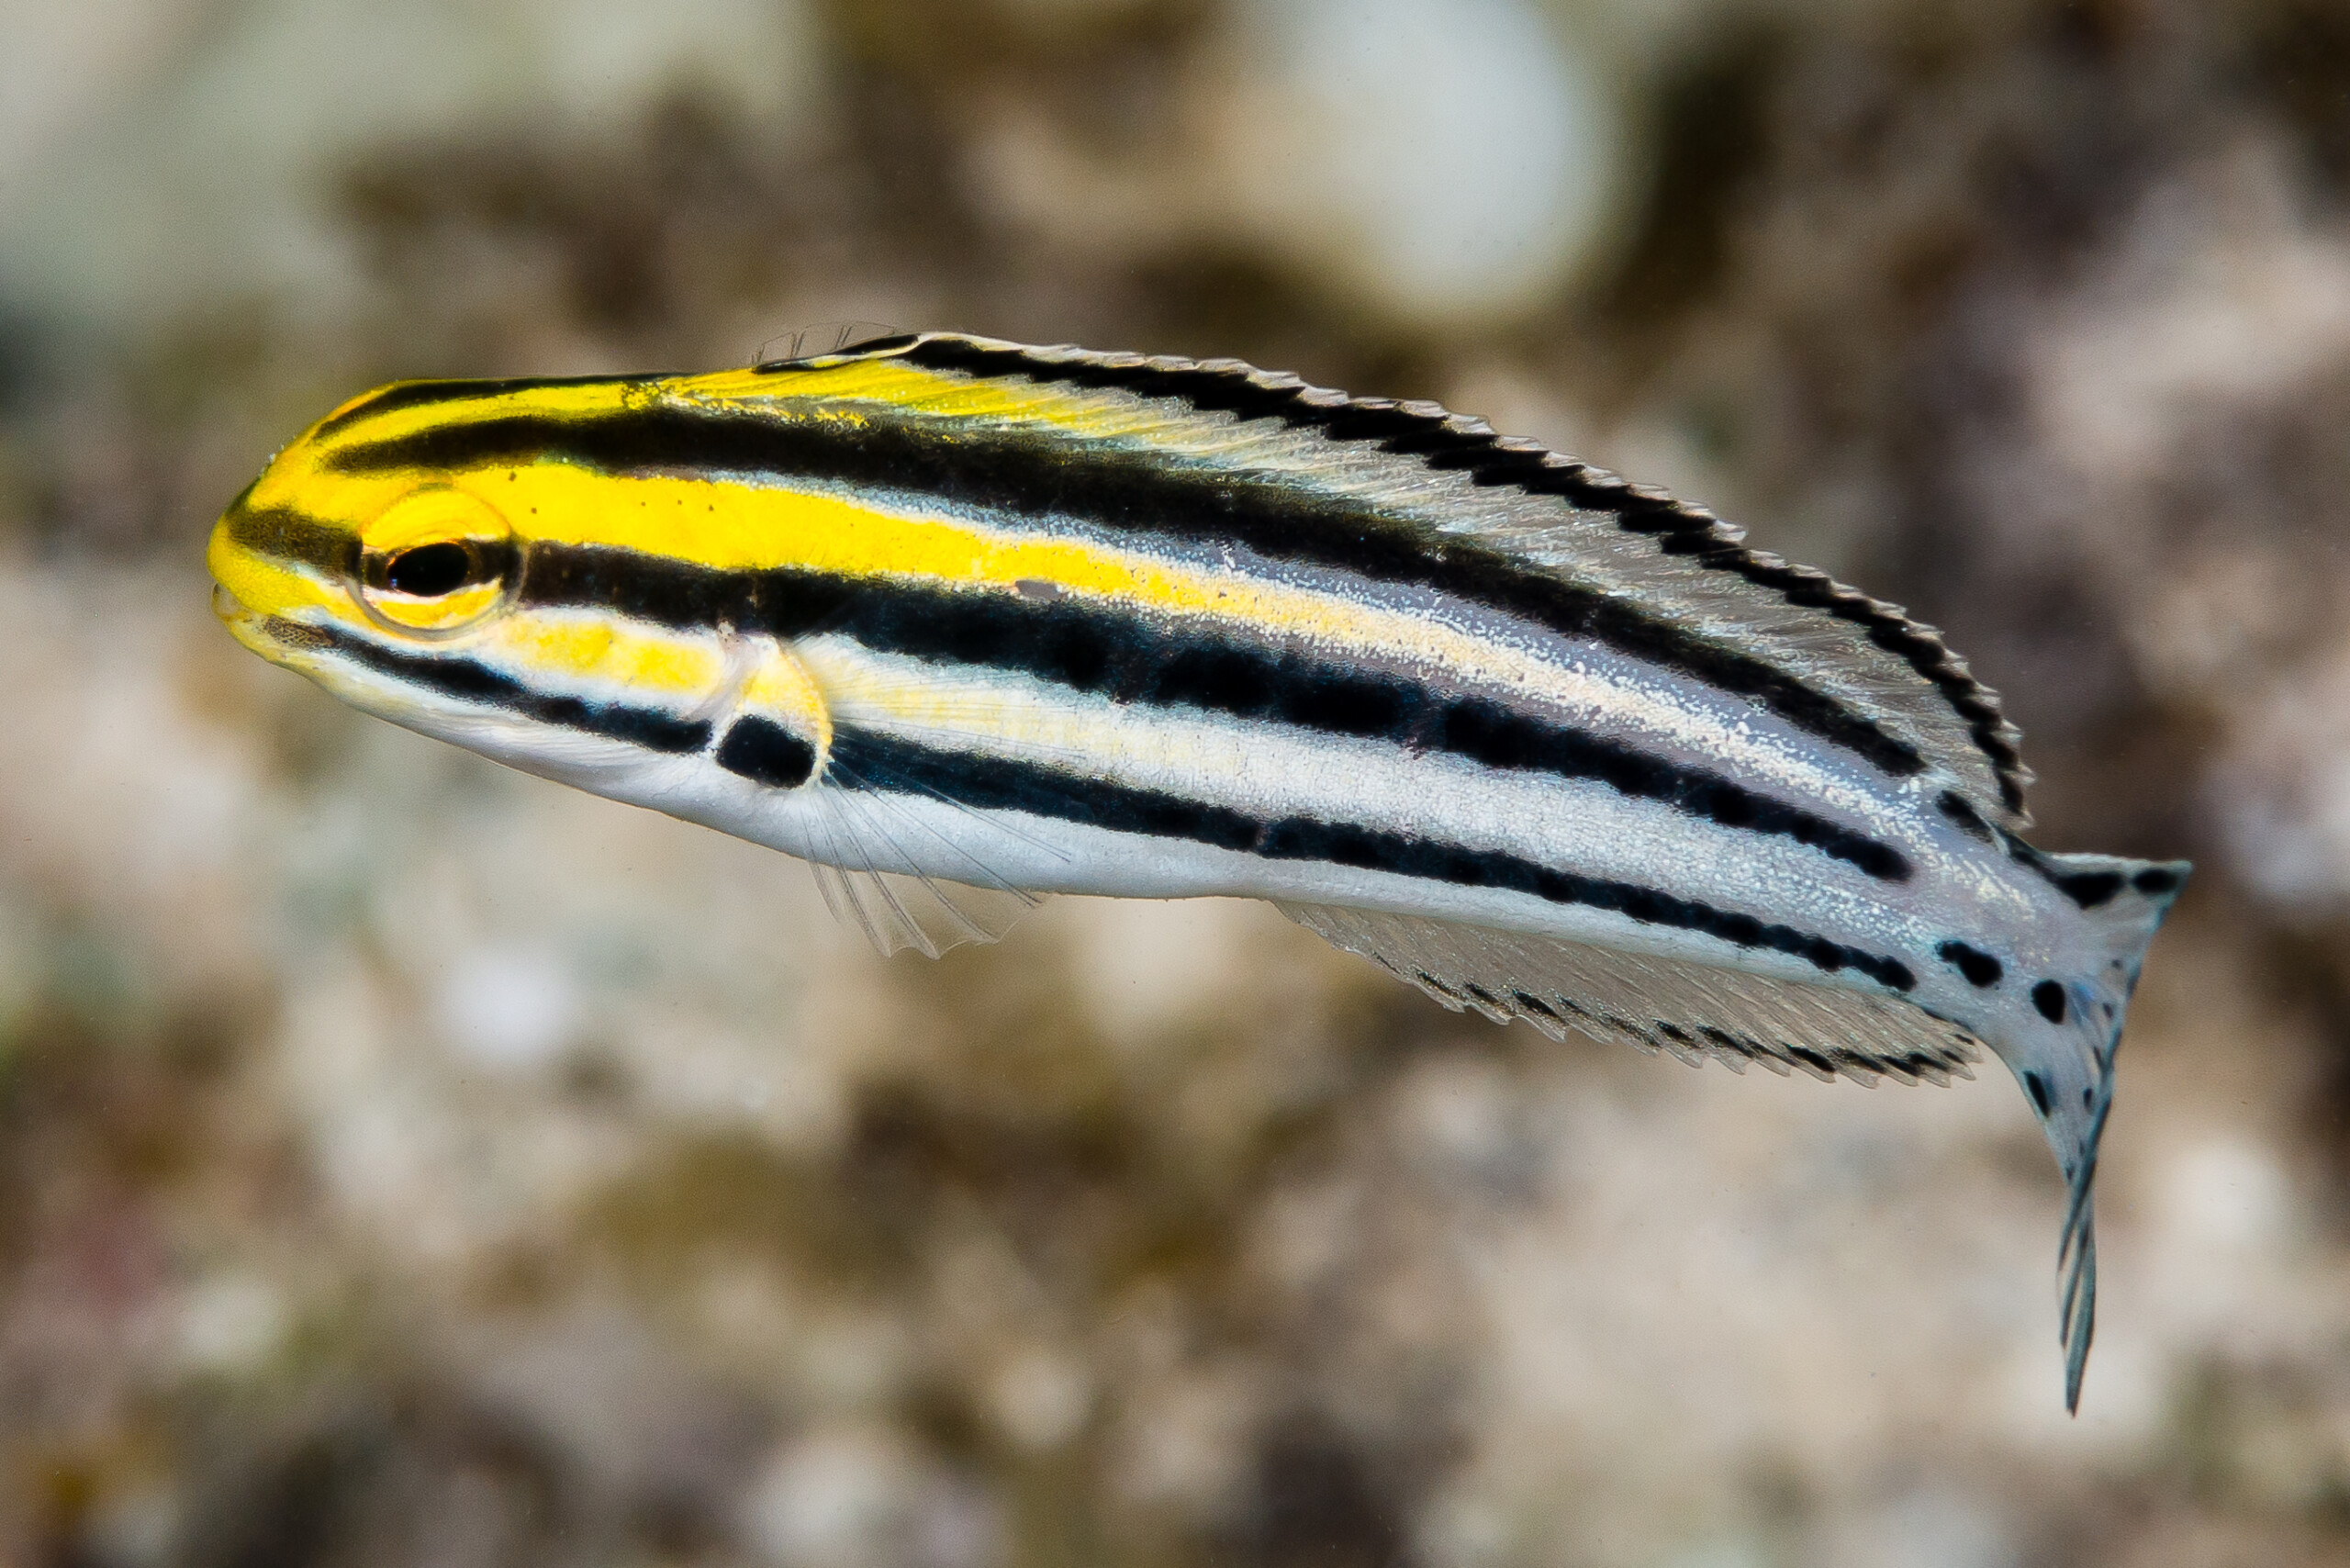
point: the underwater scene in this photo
(405, 1159)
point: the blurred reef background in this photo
(406, 1162)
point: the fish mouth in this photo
(243, 624)
(271, 637)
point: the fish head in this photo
(312, 563)
(417, 553)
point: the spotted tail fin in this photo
(2067, 1070)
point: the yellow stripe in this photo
(584, 647)
(840, 394)
(729, 527)
(902, 388)
(574, 401)
(783, 689)
(725, 526)
(260, 584)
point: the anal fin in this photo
(1692, 1010)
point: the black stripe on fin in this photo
(1691, 1011)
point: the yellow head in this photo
(596, 579)
(409, 551)
(440, 554)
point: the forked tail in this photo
(2067, 1069)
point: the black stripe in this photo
(470, 681)
(1135, 659)
(2088, 888)
(1981, 969)
(861, 760)
(1955, 806)
(1449, 443)
(1035, 473)
(285, 534)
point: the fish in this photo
(964, 623)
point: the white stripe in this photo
(1272, 770)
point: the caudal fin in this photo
(2069, 1075)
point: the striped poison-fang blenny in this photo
(965, 622)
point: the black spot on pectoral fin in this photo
(766, 752)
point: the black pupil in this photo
(429, 570)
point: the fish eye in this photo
(435, 562)
(428, 571)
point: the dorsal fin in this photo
(1455, 477)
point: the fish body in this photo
(964, 623)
